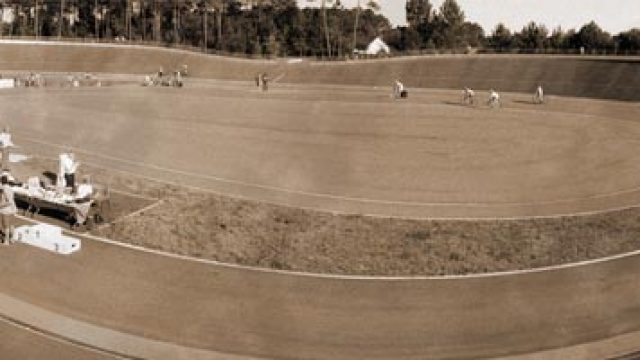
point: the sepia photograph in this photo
(319, 179)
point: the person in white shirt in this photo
(398, 89)
(177, 81)
(494, 98)
(68, 168)
(8, 209)
(62, 158)
(5, 146)
(82, 201)
(538, 96)
(468, 96)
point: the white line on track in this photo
(326, 195)
(166, 254)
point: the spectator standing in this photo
(68, 168)
(538, 97)
(5, 145)
(8, 210)
(494, 99)
(82, 201)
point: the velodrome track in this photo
(593, 77)
(349, 149)
(194, 310)
(202, 309)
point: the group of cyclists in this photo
(469, 96)
(161, 79)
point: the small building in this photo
(377, 47)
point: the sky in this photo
(612, 15)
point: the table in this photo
(44, 199)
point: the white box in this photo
(7, 83)
(48, 237)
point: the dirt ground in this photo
(257, 234)
(205, 225)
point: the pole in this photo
(326, 27)
(156, 22)
(127, 20)
(61, 19)
(96, 30)
(107, 21)
(143, 14)
(175, 21)
(220, 11)
(355, 28)
(205, 27)
(36, 27)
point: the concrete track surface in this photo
(350, 149)
(583, 152)
(347, 147)
(252, 313)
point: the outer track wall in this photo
(606, 78)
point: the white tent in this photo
(377, 46)
(8, 15)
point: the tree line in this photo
(281, 28)
(447, 28)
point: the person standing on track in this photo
(68, 168)
(5, 145)
(82, 202)
(494, 99)
(468, 96)
(398, 90)
(538, 96)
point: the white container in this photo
(47, 237)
